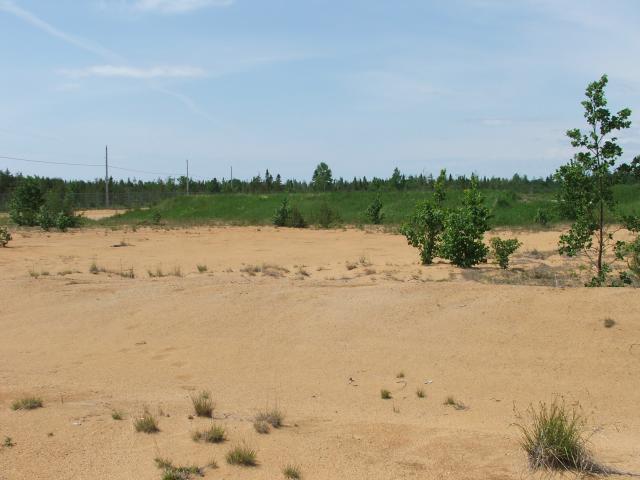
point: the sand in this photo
(318, 341)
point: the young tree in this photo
(322, 179)
(586, 193)
(25, 204)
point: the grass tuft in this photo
(202, 404)
(555, 439)
(146, 423)
(608, 322)
(292, 472)
(202, 268)
(452, 402)
(215, 434)
(261, 427)
(273, 417)
(8, 442)
(420, 393)
(242, 455)
(171, 472)
(117, 415)
(27, 403)
(385, 394)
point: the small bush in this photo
(385, 394)
(609, 322)
(292, 472)
(242, 455)
(202, 268)
(214, 434)
(273, 417)
(8, 442)
(202, 404)
(156, 217)
(400, 375)
(450, 401)
(374, 212)
(282, 214)
(503, 249)
(27, 403)
(423, 230)
(171, 472)
(5, 236)
(117, 415)
(326, 216)
(555, 439)
(542, 217)
(146, 423)
(95, 269)
(26, 201)
(261, 426)
(297, 220)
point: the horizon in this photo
(473, 86)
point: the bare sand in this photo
(320, 340)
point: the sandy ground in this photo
(320, 340)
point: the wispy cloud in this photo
(167, 6)
(135, 72)
(10, 7)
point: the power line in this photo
(52, 163)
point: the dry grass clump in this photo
(214, 434)
(452, 402)
(274, 417)
(202, 268)
(261, 426)
(266, 269)
(171, 472)
(420, 393)
(242, 455)
(292, 472)
(351, 265)
(27, 403)
(608, 322)
(385, 394)
(146, 423)
(8, 442)
(117, 415)
(202, 404)
(555, 439)
(95, 269)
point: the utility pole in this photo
(187, 177)
(232, 173)
(106, 176)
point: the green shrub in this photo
(45, 218)
(297, 220)
(385, 394)
(282, 214)
(5, 236)
(542, 217)
(171, 472)
(374, 211)
(273, 417)
(464, 228)
(423, 230)
(292, 472)
(26, 201)
(326, 216)
(555, 439)
(503, 249)
(156, 217)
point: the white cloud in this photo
(176, 6)
(136, 72)
(10, 7)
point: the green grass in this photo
(146, 423)
(27, 403)
(242, 455)
(555, 439)
(214, 434)
(171, 472)
(292, 472)
(202, 404)
(385, 394)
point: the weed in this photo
(146, 423)
(273, 417)
(95, 269)
(385, 394)
(215, 434)
(8, 442)
(420, 393)
(5, 236)
(242, 455)
(27, 403)
(452, 402)
(292, 472)
(555, 439)
(171, 472)
(609, 322)
(261, 426)
(202, 268)
(117, 415)
(202, 404)
(128, 273)
(400, 374)
(351, 265)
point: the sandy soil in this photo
(320, 340)
(100, 214)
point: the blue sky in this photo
(486, 86)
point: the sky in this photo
(484, 86)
